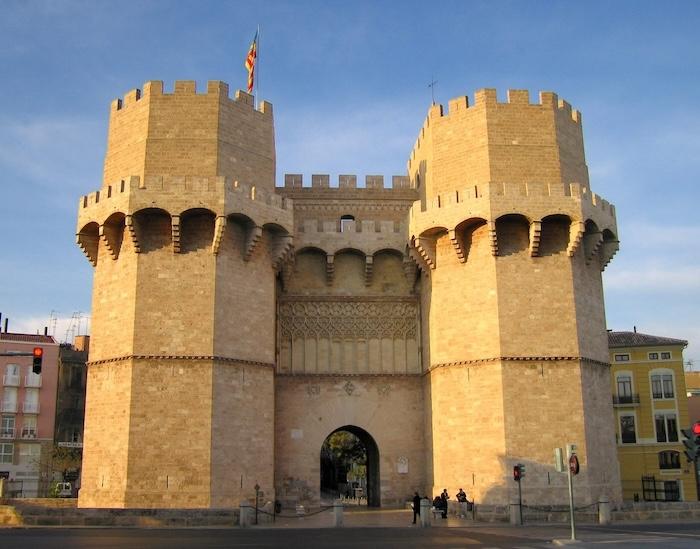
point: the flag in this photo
(250, 62)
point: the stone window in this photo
(662, 384)
(622, 358)
(345, 222)
(666, 356)
(628, 432)
(669, 459)
(6, 452)
(666, 427)
(653, 356)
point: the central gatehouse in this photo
(451, 319)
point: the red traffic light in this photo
(38, 354)
(696, 428)
(516, 473)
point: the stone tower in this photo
(512, 244)
(453, 321)
(186, 235)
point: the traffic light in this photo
(692, 441)
(518, 472)
(37, 355)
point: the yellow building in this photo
(651, 408)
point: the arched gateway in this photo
(350, 465)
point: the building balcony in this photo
(10, 380)
(625, 400)
(30, 408)
(7, 433)
(28, 433)
(8, 406)
(33, 380)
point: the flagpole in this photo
(257, 69)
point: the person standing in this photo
(444, 497)
(416, 506)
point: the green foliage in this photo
(65, 459)
(344, 447)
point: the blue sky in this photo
(349, 82)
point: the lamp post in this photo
(257, 492)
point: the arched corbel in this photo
(88, 243)
(131, 228)
(369, 261)
(426, 250)
(219, 226)
(251, 242)
(608, 251)
(330, 269)
(494, 238)
(591, 243)
(535, 234)
(175, 224)
(576, 231)
(281, 251)
(457, 245)
(103, 233)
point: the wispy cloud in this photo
(48, 149)
(672, 279)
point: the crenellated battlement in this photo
(520, 190)
(186, 133)
(184, 90)
(509, 140)
(322, 181)
(177, 194)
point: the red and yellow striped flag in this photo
(250, 62)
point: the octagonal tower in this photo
(186, 236)
(511, 244)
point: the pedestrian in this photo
(463, 503)
(444, 497)
(416, 506)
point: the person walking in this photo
(416, 506)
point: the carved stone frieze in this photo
(348, 319)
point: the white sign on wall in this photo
(402, 465)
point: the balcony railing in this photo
(33, 380)
(28, 433)
(10, 380)
(7, 433)
(30, 408)
(625, 400)
(8, 406)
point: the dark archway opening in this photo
(350, 467)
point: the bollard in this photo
(604, 515)
(244, 520)
(425, 513)
(2, 487)
(337, 513)
(515, 516)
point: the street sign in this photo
(574, 465)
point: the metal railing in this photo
(33, 380)
(622, 400)
(11, 380)
(8, 406)
(30, 408)
(28, 433)
(7, 433)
